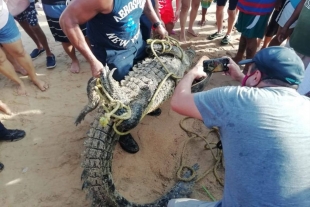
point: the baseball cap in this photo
(279, 63)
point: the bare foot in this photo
(202, 22)
(75, 67)
(236, 59)
(21, 90)
(40, 84)
(21, 71)
(192, 32)
(5, 108)
(182, 37)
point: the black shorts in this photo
(232, 3)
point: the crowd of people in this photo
(261, 169)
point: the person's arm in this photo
(182, 100)
(177, 10)
(291, 20)
(152, 16)
(156, 8)
(79, 12)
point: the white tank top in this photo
(4, 14)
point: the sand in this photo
(43, 169)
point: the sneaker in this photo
(156, 112)
(128, 143)
(225, 40)
(13, 135)
(36, 52)
(215, 35)
(50, 62)
(1, 166)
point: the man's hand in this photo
(176, 15)
(278, 5)
(161, 31)
(197, 72)
(96, 68)
(234, 70)
(282, 33)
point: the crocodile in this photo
(145, 88)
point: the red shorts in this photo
(166, 11)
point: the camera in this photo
(209, 67)
(216, 65)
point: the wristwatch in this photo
(156, 24)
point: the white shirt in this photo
(4, 14)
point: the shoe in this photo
(128, 143)
(215, 35)
(1, 166)
(13, 135)
(50, 62)
(156, 112)
(225, 40)
(35, 53)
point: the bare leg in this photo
(6, 68)
(16, 66)
(251, 49)
(241, 49)
(169, 27)
(231, 21)
(219, 18)
(275, 40)
(17, 50)
(25, 25)
(203, 17)
(183, 16)
(5, 108)
(266, 42)
(42, 38)
(70, 50)
(192, 16)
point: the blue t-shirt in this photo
(265, 136)
(294, 3)
(120, 29)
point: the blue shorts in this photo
(9, 33)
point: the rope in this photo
(217, 157)
(111, 106)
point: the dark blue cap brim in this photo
(243, 62)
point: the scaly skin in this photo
(135, 91)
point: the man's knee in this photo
(231, 13)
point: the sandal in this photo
(215, 35)
(226, 40)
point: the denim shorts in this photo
(9, 33)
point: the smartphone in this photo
(216, 65)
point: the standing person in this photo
(115, 37)
(53, 10)
(182, 12)
(28, 20)
(220, 4)
(300, 36)
(167, 14)
(284, 15)
(265, 142)
(252, 21)
(273, 26)
(11, 42)
(205, 4)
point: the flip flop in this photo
(193, 33)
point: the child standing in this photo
(167, 14)
(205, 4)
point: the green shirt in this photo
(300, 38)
